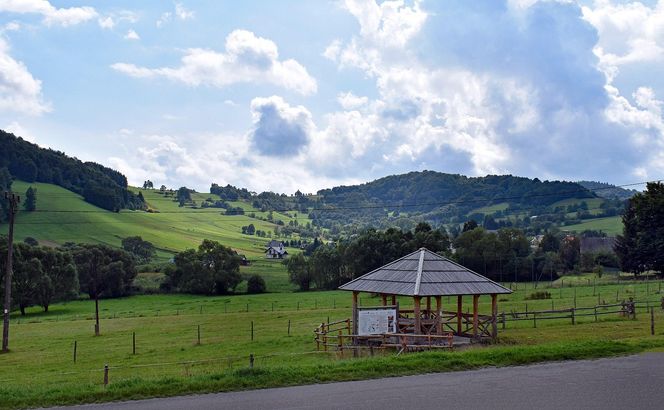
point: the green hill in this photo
(63, 216)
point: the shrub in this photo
(538, 295)
(256, 284)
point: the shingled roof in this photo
(424, 273)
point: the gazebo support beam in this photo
(416, 308)
(355, 314)
(459, 313)
(494, 314)
(394, 300)
(439, 323)
(384, 299)
(476, 321)
(428, 316)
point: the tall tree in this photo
(212, 269)
(299, 272)
(142, 250)
(103, 272)
(30, 203)
(641, 246)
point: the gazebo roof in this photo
(424, 273)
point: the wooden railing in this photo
(338, 336)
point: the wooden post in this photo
(459, 313)
(75, 348)
(418, 322)
(251, 361)
(428, 312)
(476, 320)
(394, 300)
(384, 299)
(535, 319)
(133, 342)
(573, 319)
(494, 314)
(439, 323)
(288, 327)
(105, 375)
(355, 313)
(199, 334)
(652, 321)
(252, 330)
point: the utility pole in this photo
(13, 208)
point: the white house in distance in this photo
(275, 250)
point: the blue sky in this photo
(286, 95)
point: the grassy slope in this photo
(612, 226)
(63, 216)
(39, 370)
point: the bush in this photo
(256, 284)
(538, 295)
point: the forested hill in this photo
(99, 185)
(440, 197)
(608, 191)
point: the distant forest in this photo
(99, 185)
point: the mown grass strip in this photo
(343, 370)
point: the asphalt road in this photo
(632, 382)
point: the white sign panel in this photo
(377, 321)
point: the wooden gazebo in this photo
(426, 275)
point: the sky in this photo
(287, 95)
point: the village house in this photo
(275, 250)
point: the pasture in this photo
(40, 368)
(62, 216)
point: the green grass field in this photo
(612, 225)
(40, 370)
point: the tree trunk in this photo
(22, 310)
(96, 315)
(46, 308)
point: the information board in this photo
(377, 321)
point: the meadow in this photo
(40, 369)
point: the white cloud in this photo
(182, 13)
(350, 101)
(628, 32)
(280, 129)
(20, 92)
(106, 22)
(164, 19)
(247, 58)
(20, 131)
(131, 35)
(52, 15)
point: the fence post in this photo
(573, 320)
(133, 342)
(247, 307)
(535, 319)
(75, 348)
(251, 361)
(288, 327)
(574, 298)
(105, 375)
(200, 310)
(595, 313)
(252, 330)
(652, 321)
(199, 334)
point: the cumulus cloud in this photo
(109, 21)
(520, 90)
(52, 15)
(131, 35)
(628, 32)
(280, 129)
(247, 58)
(20, 92)
(182, 12)
(17, 129)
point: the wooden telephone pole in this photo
(13, 208)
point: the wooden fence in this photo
(626, 309)
(338, 336)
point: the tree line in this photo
(99, 185)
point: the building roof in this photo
(424, 273)
(274, 244)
